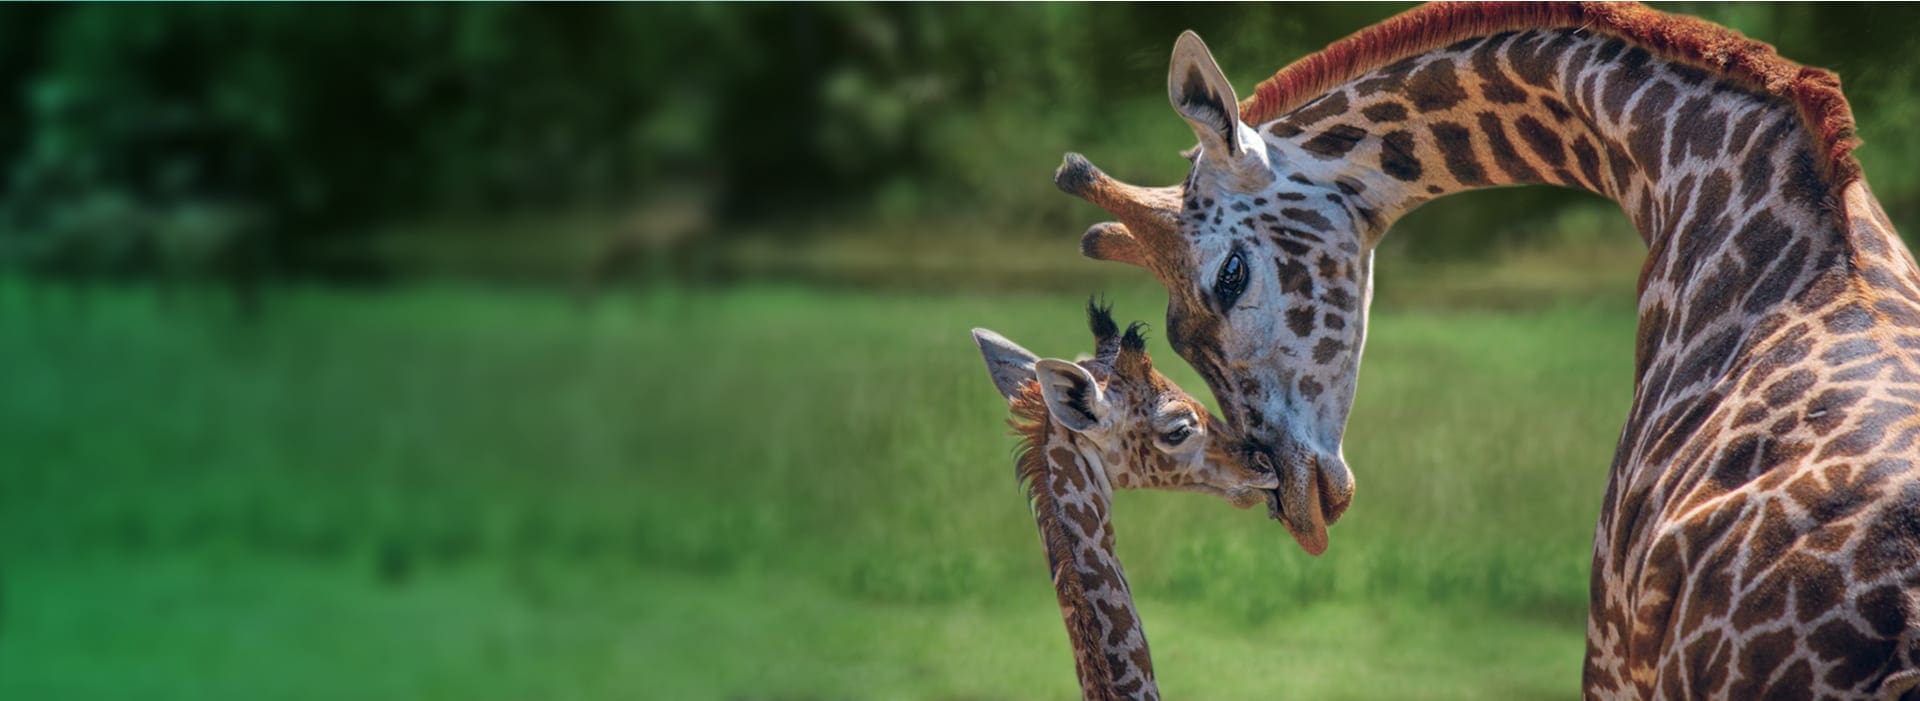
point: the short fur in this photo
(1757, 535)
(1031, 423)
(1725, 52)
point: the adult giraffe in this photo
(1760, 532)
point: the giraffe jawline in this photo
(1306, 521)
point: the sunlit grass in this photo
(763, 492)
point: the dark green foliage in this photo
(314, 125)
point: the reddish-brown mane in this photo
(1030, 423)
(1698, 43)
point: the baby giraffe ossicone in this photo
(1086, 428)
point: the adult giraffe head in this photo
(1267, 265)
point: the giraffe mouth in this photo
(1305, 498)
(1303, 518)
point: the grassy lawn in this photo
(761, 492)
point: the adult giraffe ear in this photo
(1008, 363)
(1073, 398)
(1112, 241)
(1201, 94)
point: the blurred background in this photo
(538, 351)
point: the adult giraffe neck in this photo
(1726, 184)
(1072, 506)
(1572, 108)
(1774, 302)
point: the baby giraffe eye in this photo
(1231, 281)
(1176, 436)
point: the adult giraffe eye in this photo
(1231, 281)
(1177, 436)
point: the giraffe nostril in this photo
(1258, 454)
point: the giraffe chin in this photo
(1308, 500)
(1302, 517)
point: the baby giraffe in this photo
(1086, 428)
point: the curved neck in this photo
(1072, 502)
(1722, 182)
(1569, 108)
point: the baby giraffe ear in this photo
(1201, 94)
(1073, 398)
(1008, 363)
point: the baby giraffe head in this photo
(1144, 431)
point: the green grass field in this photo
(752, 493)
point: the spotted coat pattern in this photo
(1152, 435)
(1760, 532)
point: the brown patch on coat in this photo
(1031, 423)
(1686, 40)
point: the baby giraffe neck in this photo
(1072, 502)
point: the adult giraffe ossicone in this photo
(1087, 428)
(1760, 532)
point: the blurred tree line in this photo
(242, 140)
